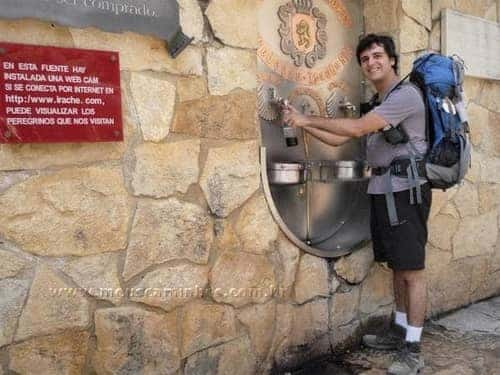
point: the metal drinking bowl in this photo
(286, 173)
(350, 170)
(339, 170)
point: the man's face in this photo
(375, 63)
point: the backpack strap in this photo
(389, 200)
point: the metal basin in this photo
(293, 173)
(350, 170)
(287, 173)
(338, 170)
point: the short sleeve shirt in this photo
(404, 106)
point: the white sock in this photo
(400, 319)
(413, 334)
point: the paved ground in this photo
(466, 342)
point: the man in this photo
(400, 197)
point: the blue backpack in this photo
(440, 79)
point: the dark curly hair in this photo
(381, 40)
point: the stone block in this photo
(13, 294)
(230, 176)
(289, 256)
(191, 88)
(169, 230)
(191, 19)
(52, 306)
(376, 290)
(436, 260)
(163, 169)
(420, 11)
(301, 333)
(441, 231)
(11, 264)
(474, 173)
(451, 288)
(435, 37)
(42, 155)
(488, 197)
(312, 278)
(344, 307)
(494, 132)
(230, 116)
(154, 100)
(438, 5)
(234, 22)
(235, 357)
(49, 355)
(171, 286)
(479, 8)
(354, 267)
(472, 88)
(478, 118)
(9, 179)
(97, 274)
(259, 321)
(376, 10)
(344, 337)
(254, 218)
(29, 31)
(476, 235)
(490, 95)
(78, 211)
(413, 36)
(205, 325)
(135, 341)
(450, 210)
(490, 170)
(140, 52)
(467, 200)
(439, 201)
(406, 63)
(229, 69)
(242, 278)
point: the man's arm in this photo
(327, 137)
(351, 128)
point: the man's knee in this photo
(411, 276)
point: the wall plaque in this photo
(156, 17)
(475, 40)
(50, 94)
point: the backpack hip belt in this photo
(409, 168)
(399, 168)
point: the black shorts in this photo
(401, 246)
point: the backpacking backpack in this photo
(440, 79)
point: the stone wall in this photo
(159, 254)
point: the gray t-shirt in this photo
(403, 106)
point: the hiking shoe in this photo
(409, 360)
(391, 340)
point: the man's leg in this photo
(400, 299)
(416, 290)
(394, 337)
(410, 360)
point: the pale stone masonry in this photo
(159, 254)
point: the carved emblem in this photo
(307, 101)
(303, 32)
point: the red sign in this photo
(50, 94)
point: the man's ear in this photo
(392, 60)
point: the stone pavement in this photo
(465, 342)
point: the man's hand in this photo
(294, 118)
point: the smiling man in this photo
(399, 194)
